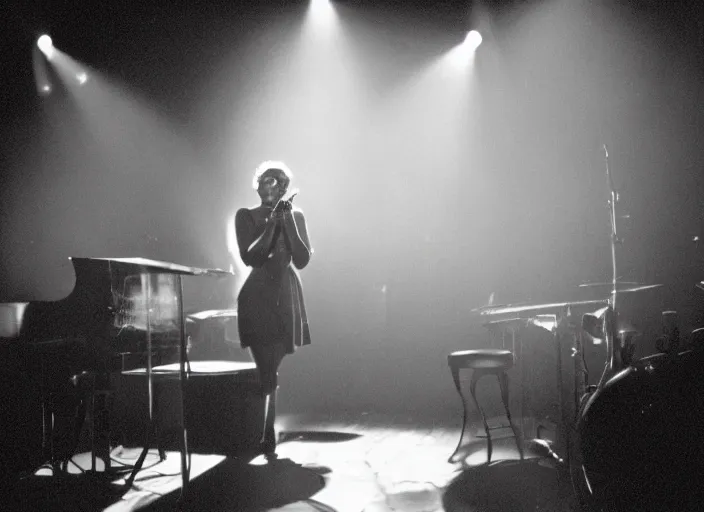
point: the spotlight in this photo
(82, 77)
(473, 40)
(322, 10)
(46, 46)
(46, 89)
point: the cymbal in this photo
(609, 283)
(492, 306)
(505, 322)
(640, 288)
(517, 308)
(628, 286)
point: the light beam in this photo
(46, 45)
(322, 13)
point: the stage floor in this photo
(345, 462)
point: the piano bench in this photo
(197, 369)
(223, 405)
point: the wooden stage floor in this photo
(344, 462)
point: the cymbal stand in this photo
(613, 198)
(609, 327)
(611, 337)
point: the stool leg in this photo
(456, 378)
(503, 383)
(93, 435)
(478, 374)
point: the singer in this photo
(272, 239)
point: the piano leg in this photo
(100, 417)
(63, 402)
(157, 434)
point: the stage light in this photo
(322, 11)
(323, 5)
(46, 46)
(82, 77)
(46, 89)
(473, 40)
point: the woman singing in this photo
(271, 316)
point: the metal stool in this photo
(483, 362)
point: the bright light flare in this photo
(321, 6)
(82, 77)
(473, 40)
(322, 12)
(46, 45)
(462, 55)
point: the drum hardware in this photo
(669, 342)
(490, 307)
(631, 430)
(614, 361)
(547, 322)
(601, 284)
(522, 307)
(544, 448)
(601, 326)
(636, 414)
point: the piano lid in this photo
(144, 265)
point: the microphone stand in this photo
(614, 236)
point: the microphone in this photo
(289, 200)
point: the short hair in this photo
(270, 165)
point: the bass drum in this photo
(641, 438)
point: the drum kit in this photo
(630, 443)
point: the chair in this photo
(483, 362)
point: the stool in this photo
(222, 405)
(483, 362)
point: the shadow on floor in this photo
(235, 485)
(320, 436)
(67, 493)
(507, 486)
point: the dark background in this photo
(426, 188)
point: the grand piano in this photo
(122, 313)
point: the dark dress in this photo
(270, 306)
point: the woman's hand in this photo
(276, 219)
(255, 251)
(283, 207)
